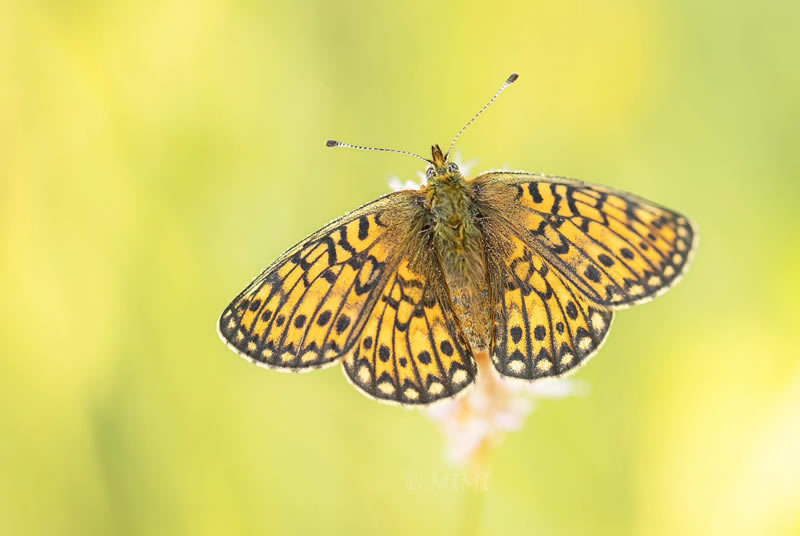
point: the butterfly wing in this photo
(565, 255)
(543, 324)
(299, 312)
(617, 248)
(364, 285)
(412, 349)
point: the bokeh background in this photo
(154, 156)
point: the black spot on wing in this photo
(540, 333)
(516, 334)
(534, 191)
(447, 348)
(324, 318)
(363, 228)
(592, 274)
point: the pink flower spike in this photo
(478, 421)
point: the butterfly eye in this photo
(452, 166)
(430, 173)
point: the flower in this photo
(477, 422)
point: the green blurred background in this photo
(154, 156)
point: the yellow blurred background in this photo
(154, 156)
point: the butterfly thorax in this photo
(459, 244)
(456, 235)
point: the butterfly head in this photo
(440, 168)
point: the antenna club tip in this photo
(331, 143)
(513, 78)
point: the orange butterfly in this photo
(405, 289)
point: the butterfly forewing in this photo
(616, 248)
(300, 311)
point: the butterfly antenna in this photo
(334, 143)
(510, 80)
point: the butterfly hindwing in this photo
(617, 248)
(412, 349)
(544, 325)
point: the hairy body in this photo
(455, 226)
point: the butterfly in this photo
(404, 290)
